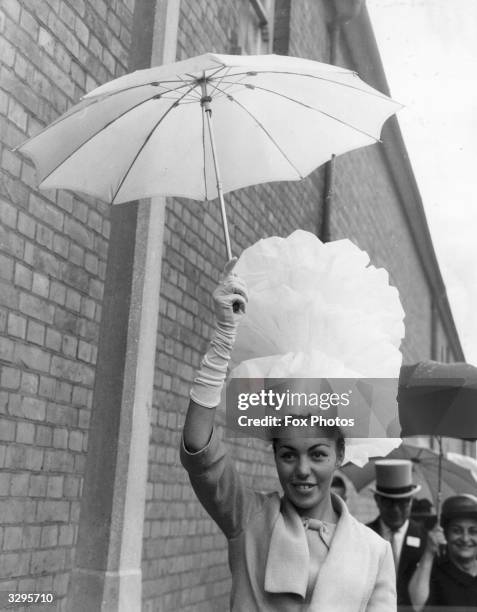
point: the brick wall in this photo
(368, 211)
(185, 560)
(53, 248)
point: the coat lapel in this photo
(288, 555)
(330, 593)
(287, 567)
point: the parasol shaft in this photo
(208, 114)
(439, 479)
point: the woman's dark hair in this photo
(331, 433)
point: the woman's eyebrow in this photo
(290, 447)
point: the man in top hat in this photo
(393, 495)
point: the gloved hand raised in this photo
(436, 541)
(230, 297)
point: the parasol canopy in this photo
(150, 132)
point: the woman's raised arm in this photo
(230, 298)
(419, 585)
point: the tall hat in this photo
(394, 479)
(321, 311)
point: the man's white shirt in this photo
(399, 536)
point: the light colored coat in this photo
(268, 553)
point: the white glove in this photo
(230, 299)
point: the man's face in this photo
(394, 512)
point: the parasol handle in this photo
(205, 103)
(442, 547)
(439, 480)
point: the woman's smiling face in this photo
(461, 536)
(305, 468)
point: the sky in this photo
(429, 53)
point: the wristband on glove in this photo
(207, 387)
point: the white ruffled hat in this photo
(318, 310)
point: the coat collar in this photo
(346, 551)
(288, 555)
(288, 560)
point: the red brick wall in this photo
(53, 248)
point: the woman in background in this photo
(449, 579)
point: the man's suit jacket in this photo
(410, 557)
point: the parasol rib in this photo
(375, 94)
(97, 100)
(104, 127)
(264, 129)
(195, 98)
(194, 76)
(148, 137)
(217, 85)
(276, 93)
(220, 79)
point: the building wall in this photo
(185, 557)
(184, 560)
(367, 210)
(53, 249)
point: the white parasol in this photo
(150, 132)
